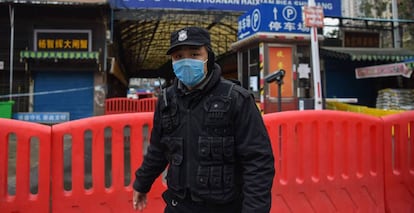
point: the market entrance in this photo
(141, 38)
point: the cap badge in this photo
(182, 35)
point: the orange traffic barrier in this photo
(326, 161)
(121, 105)
(399, 162)
(26, 138)
(128, 105)
(111, 171)
(148, 104)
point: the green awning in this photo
(79, 55)
(368, 54)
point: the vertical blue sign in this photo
(273, 19)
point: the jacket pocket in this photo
(204, 149)
(216, 183)
(228, 179)
(202, 180)
(222, 183)
(216, 150)
(216, 177)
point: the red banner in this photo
(281, 58)
(383, 71)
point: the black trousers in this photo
(186, 205)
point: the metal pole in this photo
(11, 11)
(396, 30)
(279, 96)
(316, 73)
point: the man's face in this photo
(193, 52)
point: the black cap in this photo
(195, 36)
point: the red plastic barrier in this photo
(326, 161)
(121, 105)
(399, 162)
(26, 133)
(99, 198)
(148, 104)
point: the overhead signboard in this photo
(62, 40)
(361, 39)
(398, 69)
(331, 8)
(272, 19)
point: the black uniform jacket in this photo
(215, 145)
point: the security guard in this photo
(210, 134)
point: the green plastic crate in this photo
(6, 109)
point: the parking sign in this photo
(272, 18)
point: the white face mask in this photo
(189, 71)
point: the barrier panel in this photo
(29, 146)
(147, 104)
(128, 105)
(105, 185)
(121, 105)
(326, 161)
(399, 162)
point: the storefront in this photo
(361, 73)
(59, 69)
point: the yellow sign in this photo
(63, 40)
(72, 44)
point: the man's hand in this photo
(139, 200)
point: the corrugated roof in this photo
(144, 35)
